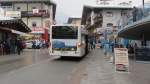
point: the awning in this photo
(137, 30)
(12, 23)
(20, 33)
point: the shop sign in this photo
(47, 23)
(121, 59)
(35, 11)
(38, 30)
(13, 14)
(2, 12)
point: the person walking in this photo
(91, 43)
(94, 43)
(6, 47)
(19, 45)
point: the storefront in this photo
(138, 31)
(10, 29)
(40, 33)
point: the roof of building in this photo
(12, 23)
(107, 7)
(25, 1)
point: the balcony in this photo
(40, 13)
(138, 25)
(139, 15)
(98, 17)
(98, 20)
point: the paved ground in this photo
(100, 71)
(37, 67)
(28, 57)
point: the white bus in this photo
(68, 40)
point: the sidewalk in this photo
(5, 59)
(9, 58)
(100, 71)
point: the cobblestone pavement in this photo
(100, 71)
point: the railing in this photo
(41, 13)
(139, 14)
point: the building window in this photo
(6, 4)
(18, 8)
(33, 7)
(109, 14)
(123, 13)
(34, 24)
(109, 25)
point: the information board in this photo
(121, 59)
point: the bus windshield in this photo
(64, 32)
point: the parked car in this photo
(29, 44)
(34, 44)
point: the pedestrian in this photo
(91, 43)
(6, 47)
(33, 44)
(94, 43)
(106, 48)
(48, 44)
(134, 13)
(19, 45)
(13, 45)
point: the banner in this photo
(2, 12)
(16, 14)
(38, 30)
(35, 11)
(121, 59)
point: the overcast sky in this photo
(73, 8)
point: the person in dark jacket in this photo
(19, 46)
(6, 47)
(134, 13)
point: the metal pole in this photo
(143, 3)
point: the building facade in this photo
(103, 21)
(102, 18)
(37, 14)
(74, 20)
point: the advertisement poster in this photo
(121, 59)
(64, 44)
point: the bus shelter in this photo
(139, 31)
(10, 29)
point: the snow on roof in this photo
(108, 6)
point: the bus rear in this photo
(64, 41)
